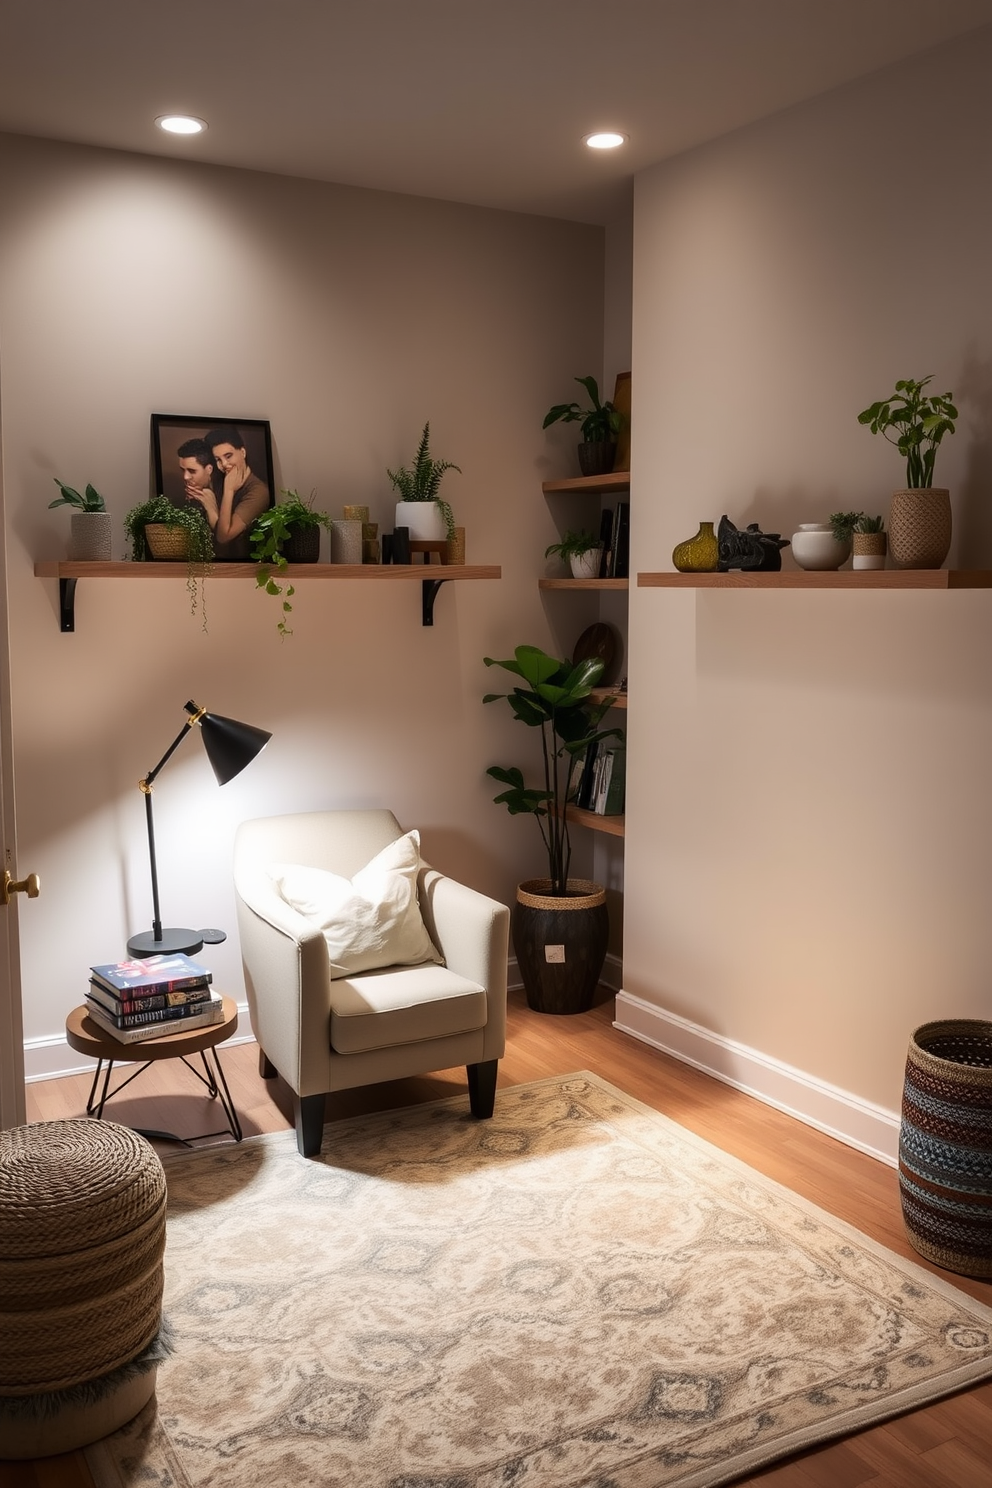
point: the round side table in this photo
(83, 1035)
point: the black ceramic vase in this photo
(302, 545)
(560, 943)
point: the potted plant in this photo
(870, 542)
(288, 532)
(920, 514)
(581, 551)
(599, 426)
(560, 925)
(427, 515)
(90, 525)
(160, 532)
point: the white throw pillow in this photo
(370, 920)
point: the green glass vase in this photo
(698, 554)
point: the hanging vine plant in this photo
(189, 538)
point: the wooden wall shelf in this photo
(891, 578)
(583, 583)
(613, 825)
(600, 694)
(431, 576)
(617, 480)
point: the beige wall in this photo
(808, 864)
(130, 285)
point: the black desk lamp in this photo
(230, 746)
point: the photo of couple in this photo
(222, 467)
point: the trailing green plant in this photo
(199, 541)
(869, 524)
(573, 545)
(844, 524)
(89, 500)
(915, 424)
(267, 538)
(555, 699)
(422, 480)
(600, 422)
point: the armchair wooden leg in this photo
(482, 1088)
(266, 1068)
(309, 1112)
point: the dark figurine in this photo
(749, 548)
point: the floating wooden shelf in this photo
(600, 694)
(617, 480)
(612, 825)
(583, 583)
(430, 575)
(880, 578)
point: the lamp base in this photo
(173, 942)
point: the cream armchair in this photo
(322, 1034)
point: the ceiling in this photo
(482, 101)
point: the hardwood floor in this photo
(947, 1445)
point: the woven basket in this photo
(945, 1145)
(82, 1235)
(920, 527)
(166, 544)
(560, 943)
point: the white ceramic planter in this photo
(586, 565)
(91, 537)
(815, 547)
(424, 520)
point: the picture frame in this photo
(621, 402)
(246, 446)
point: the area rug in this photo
(576, 1294)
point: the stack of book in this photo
(601, 782)
(135, 1000)
(614, 535)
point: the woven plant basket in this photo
(560, 943)
(945, 1145)
(166, 544)
(920, 527)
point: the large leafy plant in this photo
(421, 481)
(555, 699)
(915, 423)
(268, 536)
(600, 422)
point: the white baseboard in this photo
(857, 1122)
(51, 1058)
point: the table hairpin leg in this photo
(216, 1084)
(213, 1079)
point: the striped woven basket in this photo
(166, 544)
(945, 1145)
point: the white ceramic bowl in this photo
(815, 547)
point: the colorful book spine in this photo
(154, 974)
(119, 1006)
(204, 1017)
(154, 1015)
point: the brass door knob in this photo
(30, 886)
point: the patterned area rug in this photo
(578, 1292)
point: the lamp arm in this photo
(145, 786)
(196, 714)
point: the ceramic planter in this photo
(814, 547)
(91, 537)
(585, 565)
(560, 943)
(302, 545)
(423, 519)
(920, 527)
(596, 456)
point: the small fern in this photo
(421, 483)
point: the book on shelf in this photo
(202, 1016)
(610, 801)
(154, 974)
(117, 1006)
(621, 542)
(605, 542)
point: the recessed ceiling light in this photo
(180, 124)
(605, 140)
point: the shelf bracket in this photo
(67, 604)
(430, 591)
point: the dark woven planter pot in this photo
(302, 545)
(945, 1145)
(596, 456)
(560, 944)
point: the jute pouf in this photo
(945, 1145)
(82, 1236)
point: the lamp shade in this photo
(230, 745)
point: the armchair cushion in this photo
(369, 921)
(386, 1008)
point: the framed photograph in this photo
(621, 402)
(221, 465)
